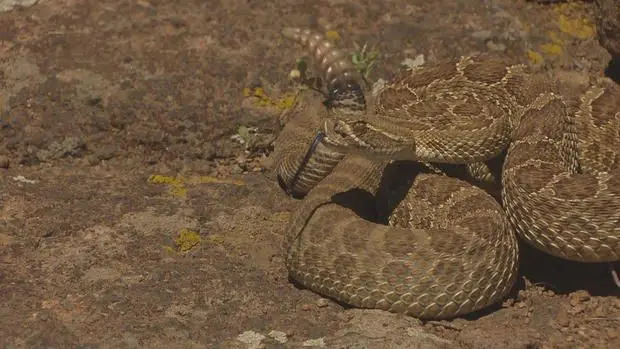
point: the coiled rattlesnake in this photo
(376, 233)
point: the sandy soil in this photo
(135, 210)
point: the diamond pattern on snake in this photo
(379, 226)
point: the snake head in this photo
(358, 136)
(343, 135)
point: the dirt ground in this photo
(135, 207)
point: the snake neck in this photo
(346, 96)
(304, 159)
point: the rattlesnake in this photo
(394, 235)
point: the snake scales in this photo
(372, 232)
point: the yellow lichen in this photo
(555, 37)
(187, 240)
(571, 24)
(287, 101)
(261, 99)
(572, 20)
(212, 180)
(177, 185)
(159, 179)
(535, 57)
(332, 35)
(552, 49)
(579, 27)
(282, 216)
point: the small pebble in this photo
(579, 297)
(579, 308)
(599, 312)
(238, 169)
(279, 336)
(413, 63)
(508, 303)
(322, 303)
(562, 318)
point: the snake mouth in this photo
(346, 137)
(340, 136)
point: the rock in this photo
(106, 152)
(322, 303)
(69, 146)
(8, 5)
(279, 336)
(379, 329)
(562, 318)
(251, 338)
(608, 25)
(579, 297)
(599, 312)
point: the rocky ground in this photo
(135, 207)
